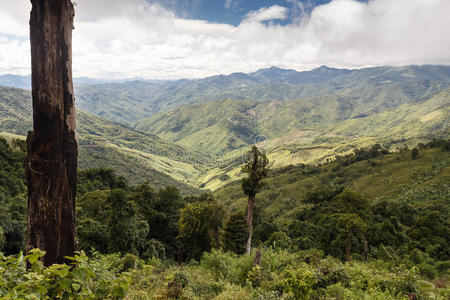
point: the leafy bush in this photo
(299, 281)
(60, 281)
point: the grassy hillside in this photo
(103, 143)
(221, 126)
(394, 176)
(377, 87)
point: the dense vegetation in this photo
(328, 235)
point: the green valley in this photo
(103, 143)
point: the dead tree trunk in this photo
(251, 204)
(52, 147)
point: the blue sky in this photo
(233, 11)
(172, 39)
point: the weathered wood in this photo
(52, 147)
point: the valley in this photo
(194, 133)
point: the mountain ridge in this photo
(143, 99)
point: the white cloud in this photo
(139, 38)
(266, 14)
(14, 17)
(14, 55)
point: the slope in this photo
(136, 155)
(222, 126)
(390, 176)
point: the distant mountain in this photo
(24, 82)
(103, 143)
(130, 101)
(17, 81)
(320, 74)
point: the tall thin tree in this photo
(256, 169)
(52, 147)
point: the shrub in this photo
(299, 281)
(235, 233)
(59, 281)
(227, 266)
(279, 240)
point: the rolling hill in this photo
(103, 143)
(222, 126)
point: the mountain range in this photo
(130, 101)
(194, 132)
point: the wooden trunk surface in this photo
(52, 147)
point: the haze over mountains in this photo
(297, 116)
(24, 82)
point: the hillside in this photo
(380, 86)
(393, 177)
(222, 126)
(103, 143)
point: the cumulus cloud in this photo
(137, 38)
(266, 14)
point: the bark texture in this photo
(52, 147)
(250, 206)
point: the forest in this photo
(331, 241)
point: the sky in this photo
(172, 39)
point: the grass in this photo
(391, 176)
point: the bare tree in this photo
(52, 147)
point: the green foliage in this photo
(228, 265)
(235, 233)
(199, 225)
(135, 220)
(299, 281)
(2, 238)
(279, 240)
(256, 169)
(79, 280)
(128, 229)
(99, 179)
(392, 216)
(13, 195)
